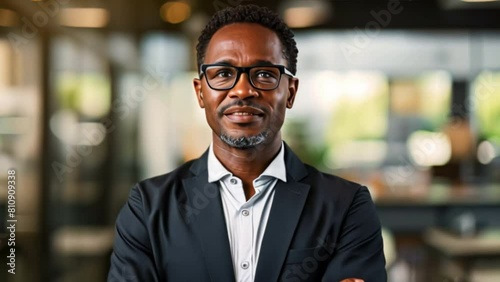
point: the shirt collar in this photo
(276, 169)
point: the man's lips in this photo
(243, 114)
(244, 110)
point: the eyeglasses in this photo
(224, 77)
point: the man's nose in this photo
(243, 88)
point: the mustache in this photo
(241, 103)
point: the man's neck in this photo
(246, 164)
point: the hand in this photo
(353, 280)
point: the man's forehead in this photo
(245, 40)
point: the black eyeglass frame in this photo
(240, 70)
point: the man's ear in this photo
(199, 94)
(293, 86)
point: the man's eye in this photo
(265, 74)
(224, 73)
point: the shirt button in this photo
(245, 265)
(245, 212)
(233, 181)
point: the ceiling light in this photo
(8, 18)
(469, 4)
(478, 1)
(175, 12)
(84, 17)
(306, 13)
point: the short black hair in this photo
(250, 14)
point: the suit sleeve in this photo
(359, 250)
(132, 259)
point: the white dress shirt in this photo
(246, 220)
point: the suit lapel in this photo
(289, 200)
(209, 222)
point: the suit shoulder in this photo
(327, 189)
(329, 181)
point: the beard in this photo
(245, 142)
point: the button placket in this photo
(246, 238)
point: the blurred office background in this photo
(403, 97)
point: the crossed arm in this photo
(359, 255)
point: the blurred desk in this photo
(462, 255)
(485, 244)
(413, 210)
(83, 252)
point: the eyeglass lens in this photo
(224, 77)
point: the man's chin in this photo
(244, 142)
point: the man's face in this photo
(244, 116)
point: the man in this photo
(248, 209)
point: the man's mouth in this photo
(243, 110)
(243, 114)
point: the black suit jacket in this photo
(320, 228)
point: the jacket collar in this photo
(276, 169)
(295, 169)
